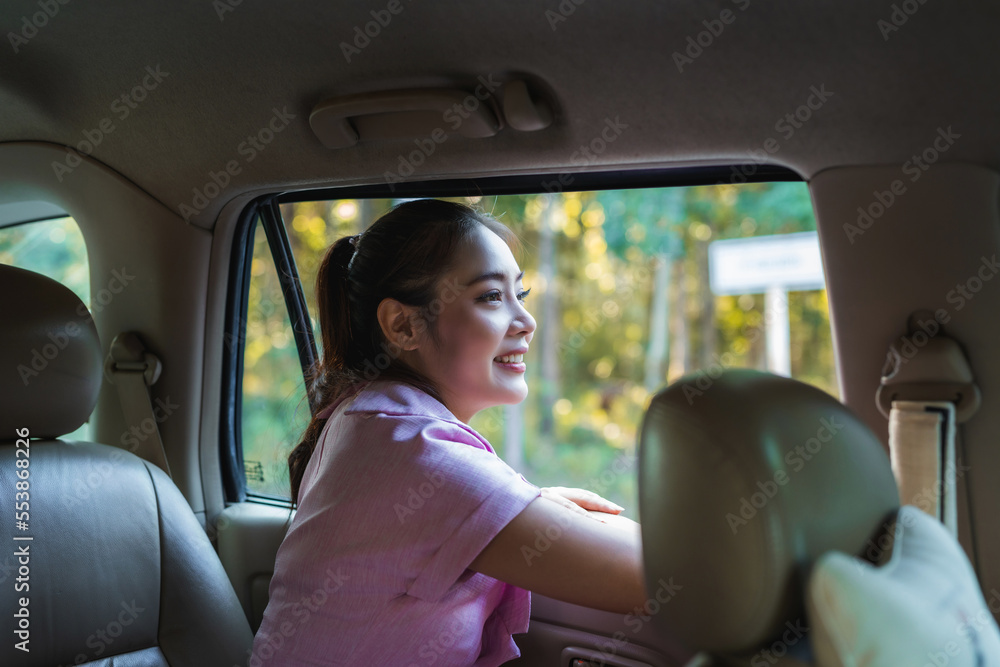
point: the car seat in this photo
(109, 565)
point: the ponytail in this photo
(335, 326)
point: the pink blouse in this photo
(397, 500)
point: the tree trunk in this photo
(548, 354)
(659, 310)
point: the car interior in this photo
(170, 174)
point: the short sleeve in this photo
(472, 495)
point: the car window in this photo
(627, 300)
(274, 410)
(54, 248)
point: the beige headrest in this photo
(50, 356)
(745, 480)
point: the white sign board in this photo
(748, 266)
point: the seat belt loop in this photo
(927, 388)
(133, 369)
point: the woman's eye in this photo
(496, 296)
(490, 296)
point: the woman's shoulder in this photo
(407, 411)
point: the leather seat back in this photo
(745, 480)
(114, 566)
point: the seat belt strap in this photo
(927, 389)
(922, 449)
(133, 369)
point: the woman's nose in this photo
(524, 323)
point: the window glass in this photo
(275, 411)
(54, 248)
(622, 290)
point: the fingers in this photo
(550, 493)
(581, 499)
(589, 500)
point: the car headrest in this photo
(50, 356)
(745, 480)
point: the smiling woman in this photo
(406, 514)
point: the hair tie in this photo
(354, 241)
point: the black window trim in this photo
(291, 287)
(264, 210)
(623, 179)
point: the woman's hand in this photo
(580, 501)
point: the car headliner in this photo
(229, 65)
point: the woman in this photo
(413, 543)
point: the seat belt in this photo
(927, 389)
(922, 450)
(133, 369)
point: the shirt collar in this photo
(393, 398)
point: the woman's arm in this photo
(562, 554)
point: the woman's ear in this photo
(398, 324)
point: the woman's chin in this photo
(518, 395)
(510, 393)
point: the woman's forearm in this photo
(568, 556)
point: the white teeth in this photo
(510, 359)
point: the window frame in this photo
(266, 210)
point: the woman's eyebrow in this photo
(494, 275)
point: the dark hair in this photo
(401, 256)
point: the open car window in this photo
(632, 289)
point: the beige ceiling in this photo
(227, 71)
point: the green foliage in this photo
(580, 424)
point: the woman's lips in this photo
(510, 362)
